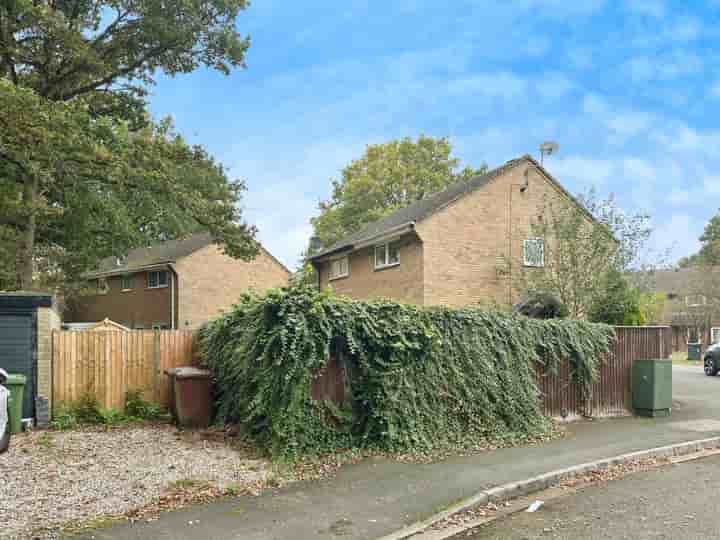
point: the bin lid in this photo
(15, 379)
(191, 373)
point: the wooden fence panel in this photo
(107, 364)
(611, 393)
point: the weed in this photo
(45, 441)
(137, 407)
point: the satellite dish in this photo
(548, 148)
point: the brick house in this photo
(178, 284)
(690, 307)
(467, 244)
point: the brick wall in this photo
(48, 320)
(138, 307)
(473, 248)
(210, 282)
(403, 283)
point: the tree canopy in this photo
(107, 51)
(585, 260)
(84, 171)
(709, 254)
(76, 188)
(387, 177)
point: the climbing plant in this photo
(421, 378)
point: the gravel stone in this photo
(52, 478)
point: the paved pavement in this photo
(376, 497)
(679, 501)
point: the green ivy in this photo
(421, 378)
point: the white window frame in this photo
(340, 275)
(528, 262)
(103, 287)
(712, 334)
(124, 277)
(702, 297)
(385, 249)
(158, 285)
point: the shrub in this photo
(542, 305)
(420, 378)
(87, 411)
(137, 407)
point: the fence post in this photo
(156, 365)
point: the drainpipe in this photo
(173, 281)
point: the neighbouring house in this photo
(691, 304)
(468, 244)
(179, 284)
(105, 325)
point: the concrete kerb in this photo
(538, 483)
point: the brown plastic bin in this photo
(192, 396)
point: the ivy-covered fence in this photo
(419, 378)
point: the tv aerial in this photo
(548, 148)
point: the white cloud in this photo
(619, 124)
(586, 172)
(665, 67)
(676, 233)
(640, 171)
(554, 86)
(711, 184)
(502, 85)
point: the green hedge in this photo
(422, 378)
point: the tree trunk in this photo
(27, 265)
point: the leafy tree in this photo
(584, 257)
(709, 253)
(387, 177)
(76, 188)
(618, 302)
(107, 51)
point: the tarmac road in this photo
(674, 502)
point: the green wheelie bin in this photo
(16, 384)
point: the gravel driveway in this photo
(52, 478)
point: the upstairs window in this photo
(387, 255)
(534, 252)
(102, 286)
(695, 300)
(158, 279)
(339, 268)
(126, 283)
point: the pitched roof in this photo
(163, 253)
(423, 208)
(679, 280)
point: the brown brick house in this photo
(177, 284)
(691, 304)
(467, 244)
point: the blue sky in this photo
(630, 90)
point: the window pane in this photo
(152, 279)
(393, 254)
(162, 278)
(534, 252)
(380, 259)
(125, 283)
(339, 267)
